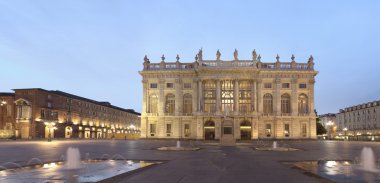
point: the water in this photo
(367, 160)
(274, 146)
(73, 159)
(178, 144)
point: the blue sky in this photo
(95, 48)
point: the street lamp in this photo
(50, 126)
(345, 132)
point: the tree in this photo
(320, 128)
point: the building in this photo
(39, 113)
(248, 99)
(360, 122)
(329, 122)
(7, 115)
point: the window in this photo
(268, 130)
(227, 96)
(152, 128)
(187, 130)
(302, 85)
(168, 128)
(209, 97)
(153, 85)
(304, 130)
(303, 104)
(285, 104)
(170, 104)
(169, 85)
(49, 104)
(267, 85)
(187, 104)
(286, 130)
(187, 85)
(245, 90)
(285, 85)
(268, 104)
(153, 102)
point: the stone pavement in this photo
(212, 163)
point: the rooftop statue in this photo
(200, 54)
(218, 55)
(254, 55)
(236, 54)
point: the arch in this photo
(285, 104)
(209, 130)
(187, 103)
(99, 133)
(68, 132)
(268, 104)
(170, 103)
(303, 104)
(245, 130)
(87, 133)
(153, 103)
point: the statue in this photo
(293, 58)
(259, 58)
(196, 57)
(311, 59)
(218, 55)
(177, 58)
(278, 58)
(146, 59)
(200, 55)
(236, 54)
(163, 58)
(254, 55)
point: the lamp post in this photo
(345, 132)
(50, 126)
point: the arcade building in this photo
(248, 99)
(38, 113)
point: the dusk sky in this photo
(95, 48)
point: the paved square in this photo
(212, 163)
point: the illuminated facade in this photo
(249, 99)
(39, 113)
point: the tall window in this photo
(268, 130)
(170, 104)
(286, 130)
(285, 103)
(187, 104)
(227, 95)
(303, 104)
(168, 128)
(268, 104)
(209, 97)
(303, 130)
(187, 130)
(245, 90)
(152, 128)
(153, 102)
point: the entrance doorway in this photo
(209, 129)
(245, 130)
(87, 133)
(68, 132)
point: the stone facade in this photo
(39, 113)
(359, 122)
(249, 99)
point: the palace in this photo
(39, 113)
(248, 99)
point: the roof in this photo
(61, 93)
(7, 94)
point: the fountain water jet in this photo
(367, 160)
(274, 146)
(178, 144)
(73, 159)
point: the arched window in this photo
(209, 94)
(187, 104)
(285, 104)
(153, 102)
(303, 104)
(170, 104)
(268, 104)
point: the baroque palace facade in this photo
(248, 99)
(39, 113)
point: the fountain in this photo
(367, 160)
(178, 144)
(274, 146)
(73, 159)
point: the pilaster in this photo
(218, 95)
(277, 96)
(161, 98)
(178, 97)
(236, 96)
(294, 97)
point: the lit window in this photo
(153, 85)
(169, 85)
(267, 85)
(187, 85)
(302, 85)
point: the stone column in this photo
(259, 106)
(145, 102)
(195, 95)
(200, 96)
(218, 95)
(178, 97)
(311, 97)
(236, 96)
(294, 99)
(161, 97)
(254, 96)
(277, 97)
